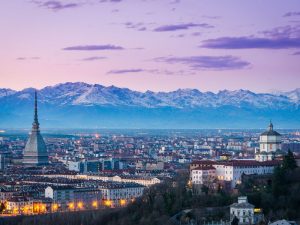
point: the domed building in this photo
(269, 144)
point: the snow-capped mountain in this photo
(88, 94)
(6, 92)
(294, 95)
(94, 104)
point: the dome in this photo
(270, 131)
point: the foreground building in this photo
(35, 152)
(120, 194)
(231, 171)
(245, 212)
(73, 198)
(19, 205)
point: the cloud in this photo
(251, 42)
(57, 5)
(174, 1)
(93, 58)
(283, 32)
(114, 1)
(289, 14)
(296, 53)
(207, 62)
(152, 71)
(184, 26)
(28, 58)
(196, 34)
(278, 38)
(136, 26)
(125, 71)
(92, 48)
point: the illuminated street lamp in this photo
(80, 205)
(95, 204)
(54, 207)
(107, 203)
(71, 206)
(122, 202)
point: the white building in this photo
(269, 143)
(62, 195)
(115, 195)
(74, 198)
(243, 211)
(19, 205)
(233, 170)
(283, 222)
(203, 175)
(142, 180)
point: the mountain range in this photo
(82, 105)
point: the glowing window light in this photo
(122, 202)
(43, 208)
(107, 203)
(80, 205)
(71, 206)
(55, 207)
(95, 204)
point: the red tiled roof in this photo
(237, 163)
(205, 168)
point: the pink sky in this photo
(157, 45)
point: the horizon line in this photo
(163, 91)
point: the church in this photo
(269, 145)
(35, 152)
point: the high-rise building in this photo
(35, 152)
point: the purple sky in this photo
(158, 45)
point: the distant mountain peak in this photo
(80, 93)
(87, 105)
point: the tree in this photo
(278, 184)
(289, 161)
(2, 207)
(235, 221)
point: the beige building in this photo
(269, 144)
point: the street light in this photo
(95, 204)
(80, 205)
(71, 206)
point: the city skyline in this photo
(119, 43)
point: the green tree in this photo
(278, 184)
(235, 221)
(289, 161)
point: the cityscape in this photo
(161, 135)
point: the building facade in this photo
(203, 175)
(233, 170)
(243, 211)
(117, 195)
(269, 144)
(74, 198)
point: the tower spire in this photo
(35, 124)
(271, 126)
(35, 152)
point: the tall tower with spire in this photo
(35, 152)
